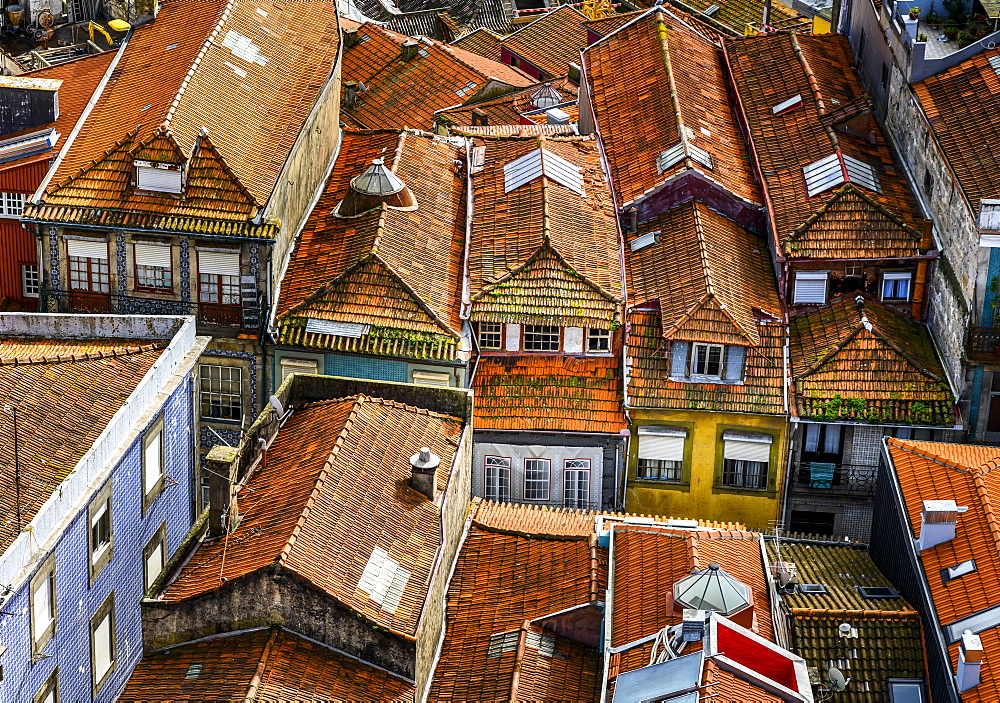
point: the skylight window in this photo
(542, 162)
(502, 643)
(678, 152)
(839, 168)
(954, 572)
(193, 672)
(643, 241)
(464, 89)
(545, 644)
(877, 592)
(814, 589)
(337, 329)
(787, 105)
(384, 580)
(995, 63)
(711, 10)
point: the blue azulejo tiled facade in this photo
(138, 520)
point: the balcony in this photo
(212, 318)
(835, 479)
(983, 345)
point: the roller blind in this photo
(87, 248)
(747, 447)
(810, 287)
(152, 255)
(159, 179)
(219, 262)
(662, 443)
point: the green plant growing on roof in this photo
(964, 39)
(922, 37)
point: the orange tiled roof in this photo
(962, 105)
(407, 93)
(966, 474)
(889, 374)
(552, 42)
(481, 41)
(269, 665)
(631, 73)
(763, 390)
(541, 253)
(66, 392)
(549, 393)
(730, 687)
(514, 108)
(712, 278)
(80, 78)
(398, 272)
(500, 582)
(173, 74)
(329, 463)
(846, 221)
(737, 14)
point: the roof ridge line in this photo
(906, 613)
(88, 356)
(204, 139)
(318, 485)
(384, 209)
(875, 331)
(117, 146)
(661, 32)
(987, 504)
(522, 642)
(197, 61)
(416, 297)
(936, 458)
(328, 286)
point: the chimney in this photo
(351, 38)
(556, 116)
(350, 94)
(221, 502)
(423, 474)
(27, 102)
(409, 49)
(479, 118)
(574, 73)
(937, 522)
(970, 661)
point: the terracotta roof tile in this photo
(541, 253)
(843, 371)
(549, 394)
(268, 665)
(330, 462)
(729, 687)
(962, 105)
(66, 392)
(630, 73)
(763, 390)
(737, 14)
(397, 271)
(407, 93)
(606, 25)
(843, 221)
(712, 278)
(551, 42)
(481, 41)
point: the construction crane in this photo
(597, 9)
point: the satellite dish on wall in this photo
(836, 679)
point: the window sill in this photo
(222, 421)
(154, 291)
(731, 490)
(660, 483)
(706, 380)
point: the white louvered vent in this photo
(87, 248)
(644, 240)
(662, 443)
(384, 580)
(995, 63)
(861, 173)
(545, 644)
(747, 446)
(502, 642)
(337, 329)
(675, 154)
(810, 287)
(542, 162)
(830, 171)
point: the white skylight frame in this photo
(384, 580)
(542, 162)
(787, 105)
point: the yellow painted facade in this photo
(821, 25)
(700, 495)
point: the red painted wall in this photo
(17, 245)
(508, 57)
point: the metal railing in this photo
(839, 479)
(984, 344)
(210, 316)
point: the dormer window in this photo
(707, 360)
(159, 177)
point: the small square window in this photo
(706, 360)
(490, 336)
(11, 204)
(30, 281)
(598, 341)
(541, 338)
(896, 286)
(290, 366)
(885, 76)
(221, 392)
(536, 479)
(432, 378)
(928, 182)
(877, 592)
(810, 287)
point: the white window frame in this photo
(894, 278)
(159, 177)
(101, 538)
(602, 338)
(12, 204)
(695, 348)
(576, 483)
(803, 297)
(138, 249)
(493, 486)
(31, 281)
(42, 631)
(535, 489)
(155, 548)
(105, 616)
(154, 462)
(542, 336)
(209, 388)
(487, 330)
(289, 365)
(49, 692)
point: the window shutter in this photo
(219, 262)
(662, 443)
(735, 355)
(745, 446)
(152, 255)
(159, 179)
(87, 248)
(679, 357)
(810, 287)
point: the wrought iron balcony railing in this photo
(838, 479)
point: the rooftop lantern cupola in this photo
(545, 97)
(713, 589)
(375, 186)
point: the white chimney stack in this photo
(970, 661)
(937, 522)
(556, 116)
(423, 476)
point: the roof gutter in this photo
(145, 230)
(43, 186)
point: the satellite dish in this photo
(836, 679)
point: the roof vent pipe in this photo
(423, 475)
(350, 94)
(970, 661)
(937, 522)
(479, 118)
(409, 49)
(351, 37)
